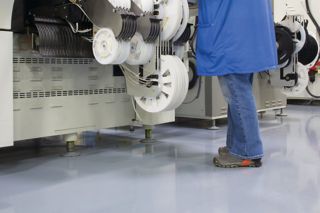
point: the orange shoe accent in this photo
(246, 163)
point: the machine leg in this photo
(70, 145)
(261, 115)
(132, 128)
(213, 126)
(148, 135)
(99, 136)
(281, 113)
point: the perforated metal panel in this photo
(54, 96)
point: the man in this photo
(236, 39)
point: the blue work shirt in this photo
(235, 36)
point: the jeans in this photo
(243, 137)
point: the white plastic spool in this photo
(179, 82)
(145, 5)
(303, 38)
(107, 49)
(167, 79)
(123, 53)
(172, 16)
(123, 4)
(173, 80)
(140, 52)
(185, 87)
(105, 46)
(185, 19)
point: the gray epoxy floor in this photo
(174, 175)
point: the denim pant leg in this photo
(229, 133)
(243, 131)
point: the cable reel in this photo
(296, 28)
(107, 49)
(171, 18)
(301, 39)
(285, 44)
(193, 76)
(309, 54)
(173, 81)
(140, 52)
(184, 22)
(123, 4)
(183, 34)
(146, 6)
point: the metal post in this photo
(282, 113)
(148, 135)
(70, 145)
(213, 126)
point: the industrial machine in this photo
(69, 66)
(298, 24)
(205, 100)
(297, 32)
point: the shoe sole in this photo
(232, 166)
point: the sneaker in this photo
(231, 161)
(223, 150)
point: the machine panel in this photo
(56, 96)
(6, 78)
(6, 7)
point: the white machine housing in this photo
(6, 74)
(211, 105)
(48, 96)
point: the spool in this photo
(106, 47)
(123, 4)
(179, 80)
(285, 44)
(140, 52)
(145, 5)
(185, 19)
(123, 53)
(184, 82)
(301, 40)
(193, 76)
(173, 80)
(172, 16)
(309, 54)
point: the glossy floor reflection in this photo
(173, 175)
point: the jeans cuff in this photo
(247, 157)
